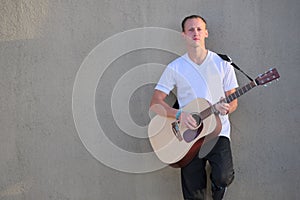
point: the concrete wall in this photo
(46, 154)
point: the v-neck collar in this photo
(187, 58)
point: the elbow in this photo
(152, 102)
(234, 106)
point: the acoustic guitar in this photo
(176, 145)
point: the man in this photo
(200, 73)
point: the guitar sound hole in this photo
(197, 118)
(189, 135)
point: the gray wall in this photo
(43, 43)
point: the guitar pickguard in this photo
(190, 135)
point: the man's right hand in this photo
(188, 120)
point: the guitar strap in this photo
(228, 59)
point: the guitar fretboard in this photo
(239, 92)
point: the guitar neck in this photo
(239, 92)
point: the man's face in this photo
(195, 32)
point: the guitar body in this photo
(177, 152)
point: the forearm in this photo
(160, 107)
(232, 105)
(227, 108)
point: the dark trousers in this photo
(193, 176)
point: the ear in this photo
(206, 33)
(182, 34)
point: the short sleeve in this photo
(167, 81)
(229, 81)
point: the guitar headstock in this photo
(267, 77)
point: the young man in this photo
(200, 73)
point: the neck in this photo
(197, 55)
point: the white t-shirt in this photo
(209, 81)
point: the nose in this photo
(196, 32)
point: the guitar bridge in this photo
(176, 131)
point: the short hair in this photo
(191, 17)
